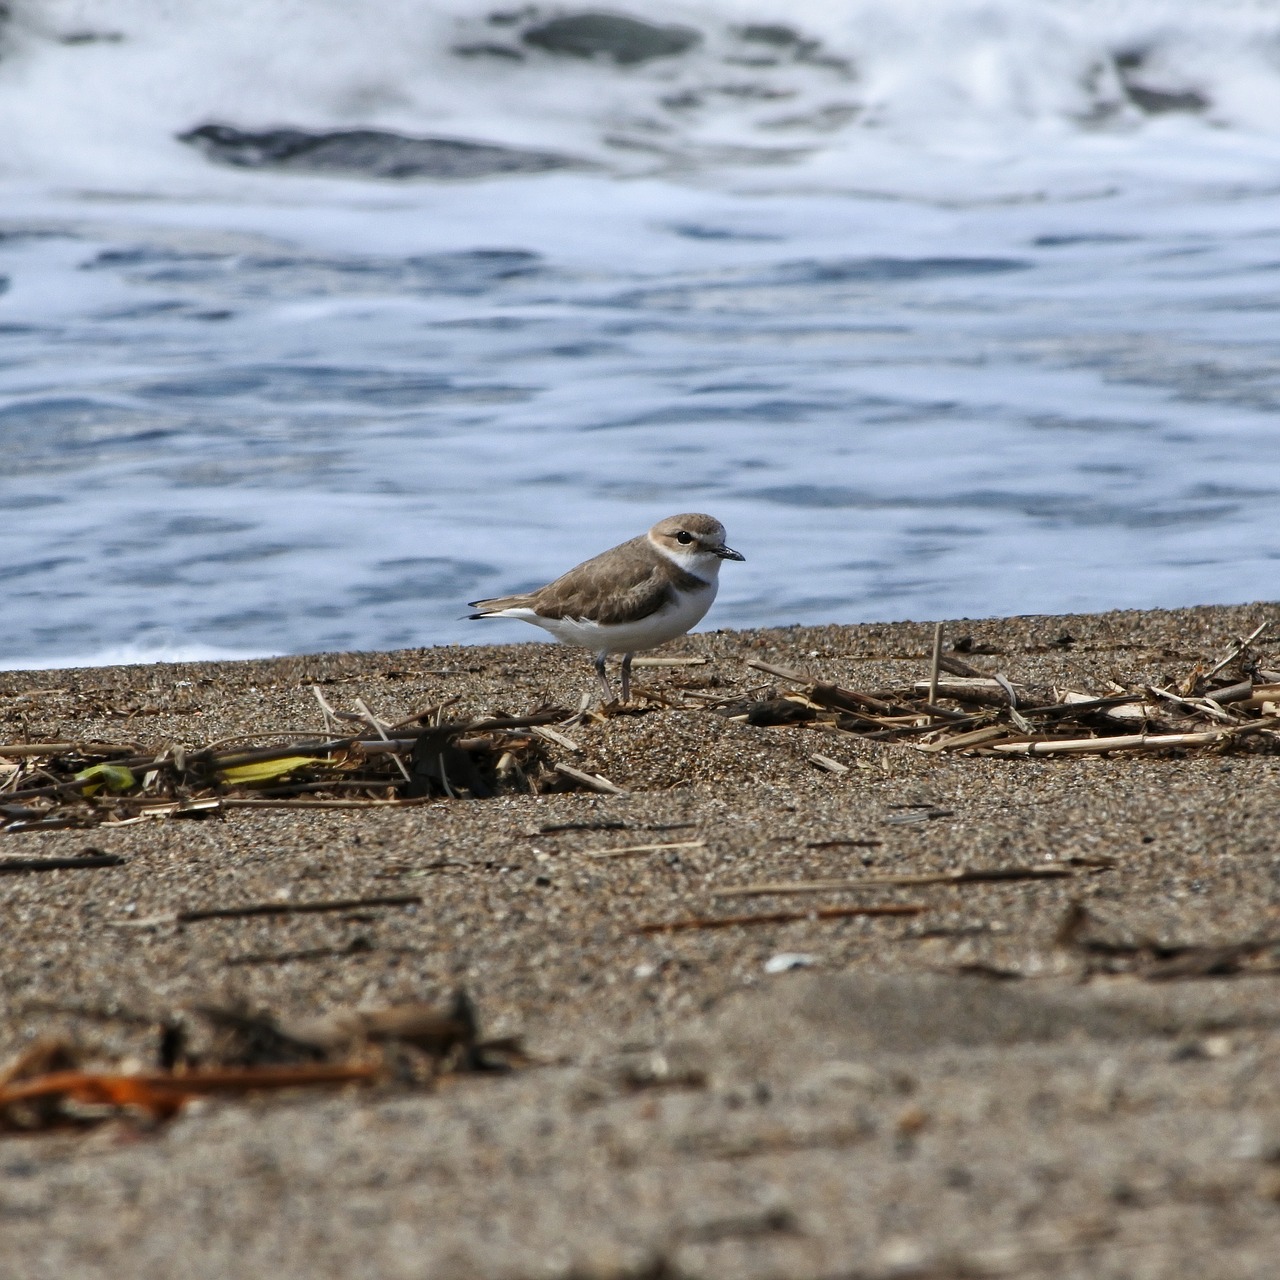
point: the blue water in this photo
(278, 413)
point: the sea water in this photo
(944, 307)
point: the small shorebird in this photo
(634, 596)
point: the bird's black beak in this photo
(728, 553)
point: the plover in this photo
(634, 596)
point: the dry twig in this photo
(782, 917)
(630, 850)
(967, 875)
(592, 781)
(72, 862)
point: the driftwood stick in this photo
(11, 866)
(260, 755)
(630, 850)
(376, 725)
(234, 802)
(1232, 693)
(1086, 706)
(1262, 693)
(827, 764)
(592, 781)
(946, 713)
(968, 875)
(690, 661)
(934, 664)
(296, 908)
(221, 744)
(867, 718)
(1239, 647)
(1195, 706)
(1132, 741)
(550, 735)
(960, 741)
(835, 698)
(495, 723)
(426, 714)
(326, 711)
(782, 917)
(987, 690)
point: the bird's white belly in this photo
(629, 637)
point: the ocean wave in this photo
(104, 93)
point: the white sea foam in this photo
(903, 97)
(926, 300)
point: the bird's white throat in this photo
(702, 564)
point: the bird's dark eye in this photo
(684, 538)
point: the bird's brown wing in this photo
(624, 584)
(620, 585)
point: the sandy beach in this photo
(1002, 1083)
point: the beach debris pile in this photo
(47, 786)
(1230, 704)
(229, 1051)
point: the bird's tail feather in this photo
(487, 608)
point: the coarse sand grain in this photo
(989, 1087)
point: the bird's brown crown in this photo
(691, 532)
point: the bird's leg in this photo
(626, 677)
(604, 679)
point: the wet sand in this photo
(951, 1094)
